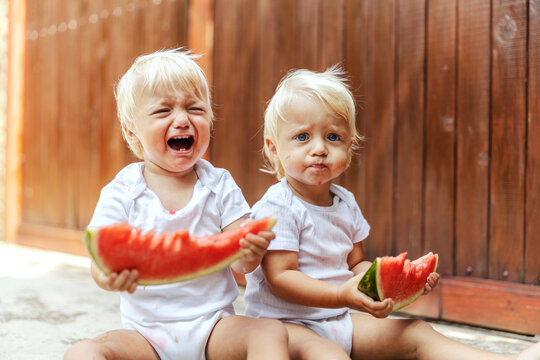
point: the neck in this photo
(318, 195)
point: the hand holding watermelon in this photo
(161, 258)
(400, 279)
(253, 247)
(350, 297)
(126, 280)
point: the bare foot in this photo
(531, 353)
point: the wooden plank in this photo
(236, 41)
(472, 167)
(307, 34)
(91, 59)
(52, 238)
(501, 305)
(31, 102)
(440, 132)
(508, 98)
(380, 126)
(286, 43)
(332, 33)
(268, 79)
(356, 50)
(201, 33)
(481, 302)
(70, 114)
(410, 38)
(16, 81)
(532, 245)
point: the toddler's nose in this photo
(181, 120)
(319, 147)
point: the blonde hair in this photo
(172, 70)
(329, 88)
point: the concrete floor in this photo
(48, 301)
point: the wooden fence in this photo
(448, 94)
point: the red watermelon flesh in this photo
(398, 278)
(167, 257)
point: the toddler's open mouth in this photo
(181, 143)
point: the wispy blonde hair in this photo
(330, 88)
(170, 70)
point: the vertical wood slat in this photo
(440, 132)
(16, 81)
(69, 109)
(234, 33)
(267, 53)
(472, 166)
(507, 140)
(532, 245)
(380, 115)
(332, 33)
(410, 37)
(356, 43)
(307, 34)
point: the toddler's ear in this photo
(128, 132)
(270, 146)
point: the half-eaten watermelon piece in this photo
(398, 278)
(167, 257)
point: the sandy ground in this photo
(48, 302)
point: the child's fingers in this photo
(255, 243)
(125, 280)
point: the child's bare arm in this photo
(125, 281)
(281, 272)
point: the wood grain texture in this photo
(440, 135)
(508, 98)
(472, 113)
(409, 158)
(532, 244)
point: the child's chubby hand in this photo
(254, 246)
(126, 280)
(431, 283)
(350, 296)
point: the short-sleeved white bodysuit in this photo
(323, 237)
(176, 318)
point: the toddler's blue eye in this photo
(333, 137)
(301, 137)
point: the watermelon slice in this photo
(167, 257)
(398, 278)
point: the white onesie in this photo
(323, 238)
(176, 318)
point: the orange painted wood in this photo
(52, 238)
(15, 117)
(201, 33)
(508, 125)
(440, 132)
(532, 243)
(410, 93)
(473, 122)
(481, 302)
(379, 95)
(496, 304)
(356, 64)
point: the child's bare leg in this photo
(115, 344)
(307, 344)
(410, 339)
(240, 337)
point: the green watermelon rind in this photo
(91, 237)
(370, 284)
